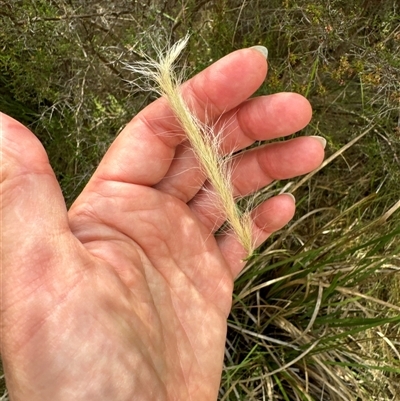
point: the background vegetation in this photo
(316, 312)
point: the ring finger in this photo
(257, 168)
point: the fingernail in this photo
(291, 195)
(321, 140)
(263, 50)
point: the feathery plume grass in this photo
(203, 139)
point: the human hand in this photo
(125, 297)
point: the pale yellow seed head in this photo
(203, 139)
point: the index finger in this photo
(144, 150)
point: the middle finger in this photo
(257, 119)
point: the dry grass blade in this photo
(331, 158)
(244, 294)
(263, 337)
(287, 365)
(347, 291)
(390, 212)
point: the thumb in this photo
(33, 212)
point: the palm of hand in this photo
(169, 298)
(127, 296)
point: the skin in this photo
(126, 295)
